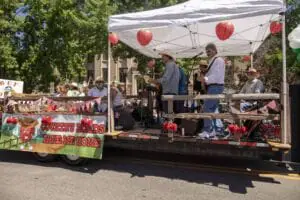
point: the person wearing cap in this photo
(73, 91)
(98, 90)
(253, 85)
(170, 78)
(199, 85)
(214, 81)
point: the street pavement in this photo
(122, 178)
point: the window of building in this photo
(90, 74)
(123, 74)
(105, 74)
(90, 58)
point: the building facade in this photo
(123, 71)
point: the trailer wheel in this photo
(73, 160)
(44, 157)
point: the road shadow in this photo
(234, 182)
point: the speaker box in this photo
(191, 126)
(294, 91)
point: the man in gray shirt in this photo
(170, 78)
(253, 85)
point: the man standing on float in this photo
(214, 80)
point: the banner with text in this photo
(7, 86)
(54, 134)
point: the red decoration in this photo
(86, 122)
(173, 127)
(246, 58)
(113, 38)
(47, 120)
(243, 130)
(144, 37)
(275, 27)
(231, 128)
(11, 120)
(151, 63)
(167, 126)
(224, 30)
(26, 134)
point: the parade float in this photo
(74, 128)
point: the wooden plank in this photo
(265, 96)
(170, 106)
(222, 116)
(279, 145)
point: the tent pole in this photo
(108, 88)
(284, 85)
(251, 60)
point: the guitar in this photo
(151, 82)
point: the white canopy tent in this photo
(184, 29)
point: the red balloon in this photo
(113, 38)
(144, 37)
(275, 27)
(224, 30)
(246, 58)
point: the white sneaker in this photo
(207, 135)
(204, 135)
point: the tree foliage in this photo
(8, 27)
(54, 39)
(269, 57)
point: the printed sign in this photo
(54, 134)
(7, 86)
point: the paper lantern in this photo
(224, 30)
(144, 37)
(275, 27)
(151, 63)
(246, 58)
(113, 38)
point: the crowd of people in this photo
(98, 89)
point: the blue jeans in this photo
(212, 106)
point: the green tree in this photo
(57, 36)
(8, 28)
(269, 56)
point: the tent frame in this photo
(284, 94)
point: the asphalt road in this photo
(122, 178)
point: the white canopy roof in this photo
(184, 30)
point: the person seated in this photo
(253, 85)
(73, 91)
(98, 90)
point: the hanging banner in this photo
(9, 86)
(54, 134)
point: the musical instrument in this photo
(152, 83)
